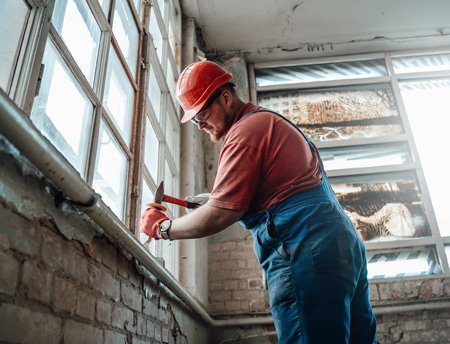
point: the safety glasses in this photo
(203, 115)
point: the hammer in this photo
(161, 197)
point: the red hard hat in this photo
(196, 84)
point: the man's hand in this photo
(151, 219)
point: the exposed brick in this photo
(257, 305)
(215, 286)
(57, 253)
(109, 256)
(103, 282)
(123, 266)
(122, 318)
(384, 291)
(150, 329)
(230, 285)
(220, 296)
(16, 326)
(218, 275)
(114, 338)
(216, 256)
(9, 271)
(373, 292)
(23, 236)
(163, 315)
(410, 289)
(65, 296)
(255, 283)
(141, 327)
(228, 245)
(75, 332)
(103, 311)
(37, 283)
(165, 335)
(150, 308)
(96, 248)
(216, 307)
(232, 305)
(86, 305)
(134, 277)
(138, 341)
(158, 333)
(131, 297)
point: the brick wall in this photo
(236, 283)
(53, 290)
(85, 290)
(236, 286)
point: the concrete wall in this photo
(85, 290)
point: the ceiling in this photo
(269, 30)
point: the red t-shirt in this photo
(263, 161)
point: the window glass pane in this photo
(151, 150)
(170, 135)
(162, 7)
(13, 20)
(427, 104)
(339, 114)
(365, 156)
(119, 96)
(427, 63)
(320, 72)
(401, 263)
(62, 112)
(171, 83)
(126, 33)
(156, 34)
(80, 32)
(155, 93)
(175, 50)
(383, 206)
(110, 172)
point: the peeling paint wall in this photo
(63, 280)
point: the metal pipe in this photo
(435, 305)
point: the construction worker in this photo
(270, 178)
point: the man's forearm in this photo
(204, 221)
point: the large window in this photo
(379, 122)
(105, 94)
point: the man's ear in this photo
(227, 97)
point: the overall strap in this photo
(310, 144)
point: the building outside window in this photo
(379, 122)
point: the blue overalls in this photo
(315, 266)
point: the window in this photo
(379, 123)
(86, 104)
(13, 27)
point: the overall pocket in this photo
(329, 242)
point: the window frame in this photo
(28, 72)
(436, 240)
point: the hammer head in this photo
(159, 194)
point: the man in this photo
(271, 179)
